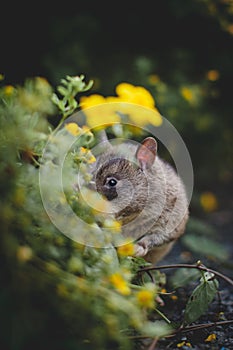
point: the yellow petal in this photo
(72, 128)
(211, 337)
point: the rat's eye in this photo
(111, 182)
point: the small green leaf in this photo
(184, 276)
(55, 99)
(156, 329)
(88, 86)
(63, 91)
(200, 299)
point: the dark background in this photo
(178, 40)
(168, 48)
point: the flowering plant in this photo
(77, 295)
(61, 283)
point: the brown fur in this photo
(149, 198)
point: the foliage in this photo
(58, 293)
(70, 87)
(56, 289)
(200, 298)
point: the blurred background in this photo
(180, 50)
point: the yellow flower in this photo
(126, 249)
(112, 225)
(83, 150)
(24, 253)
(135, 94)
(184, 343)
(212, 75)
(187, 94)
(145, 298)
(211, 338)
(72, 128)
(90, 158)
(86, 129)
(208, 201)
(92, 100)
(8, 90)
(103, 113)
(143, 116)
(120, 283)
(128, 98)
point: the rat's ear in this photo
(146, 153)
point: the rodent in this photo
(145, 193)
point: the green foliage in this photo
(182, 277)
(68, 89)
(57, 293)
(200, 298)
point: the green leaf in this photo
(184, 276)
(55, 99)
(205, 246)
(200, 299)
(88, 86)
(63, 91)
(156, 329)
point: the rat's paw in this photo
(140, 250)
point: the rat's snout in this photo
(109, 193)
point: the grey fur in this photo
(150, 201)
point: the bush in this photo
(57, 293)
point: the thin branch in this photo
(153, 344)
(188, 329)
(188, 266)
(198, 326)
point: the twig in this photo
(188, 266)
(198, 326)
(188, 329)
(153, 344)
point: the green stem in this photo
(163, 316)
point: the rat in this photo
(145, 194)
